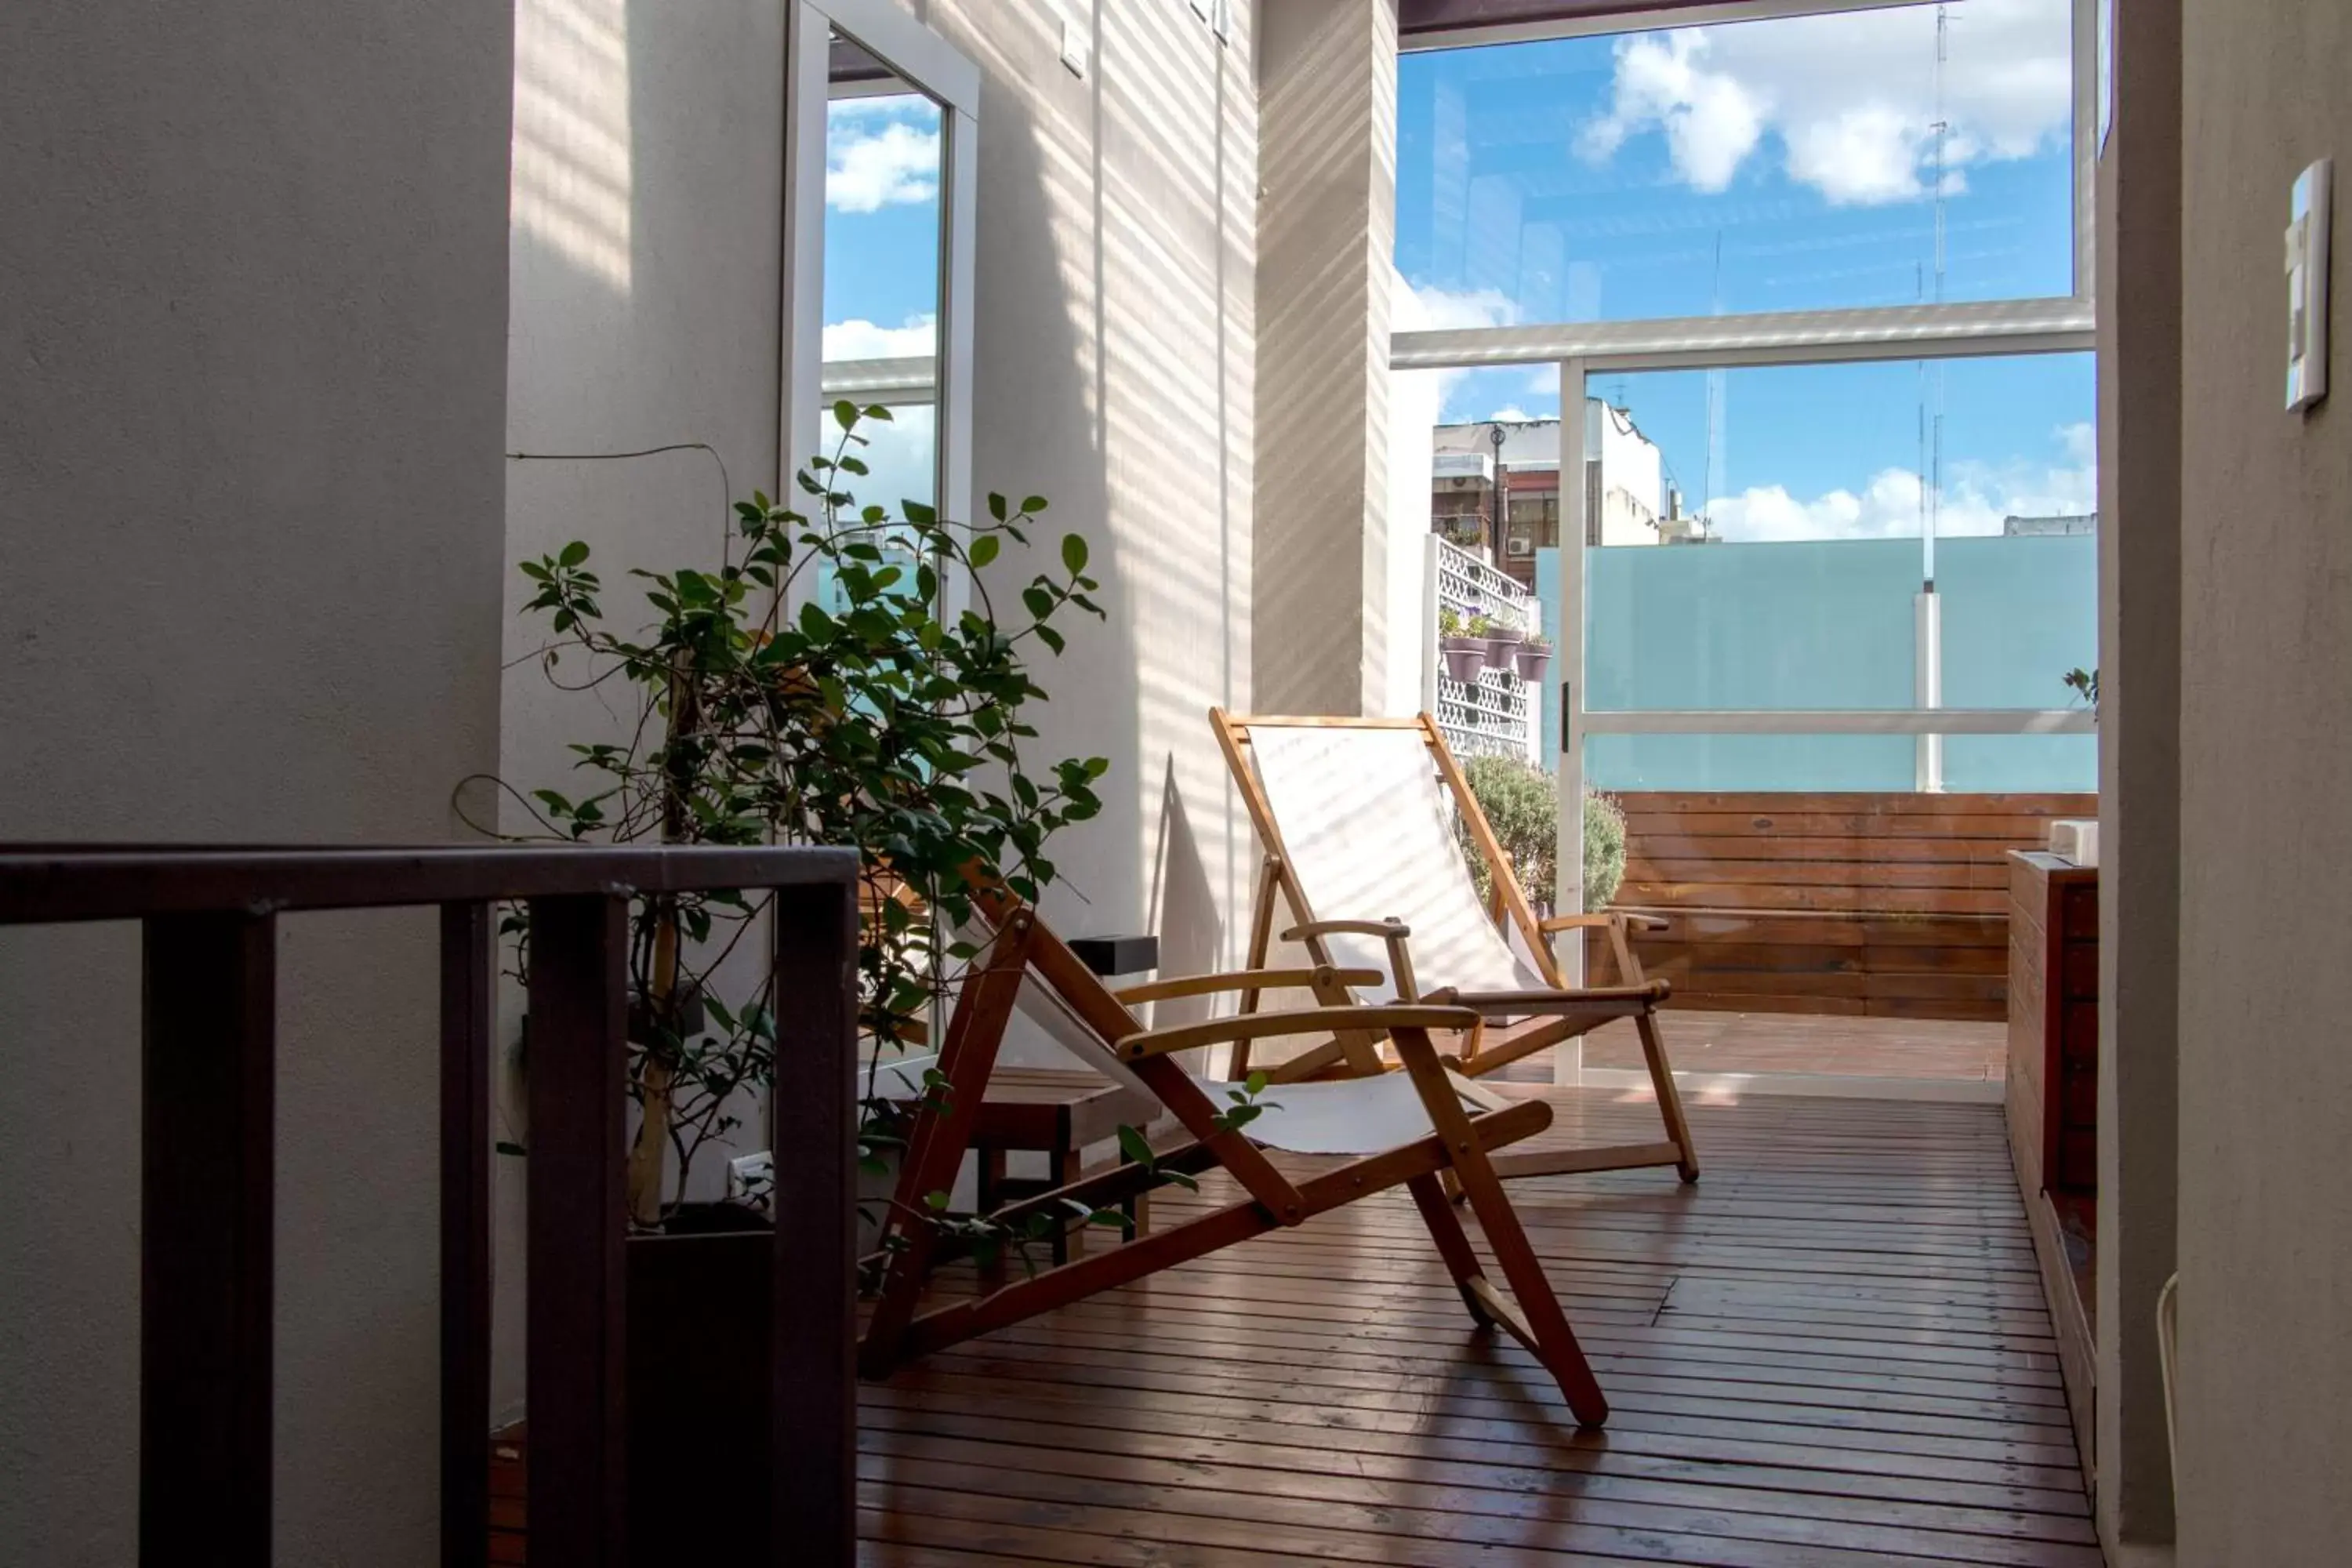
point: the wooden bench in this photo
(1880, 905)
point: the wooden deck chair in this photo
(1356, 817)
(1393, 1128)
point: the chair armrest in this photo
(1391, 931)
(1301, 1021)
(1321, 977)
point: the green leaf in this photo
(1135, 1146)
(984, 550)
(1074, 553)
(573, 553)
(845, 414)
(1033, 503)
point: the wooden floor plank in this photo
(1832, 1350)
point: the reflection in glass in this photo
(1886, 157)
(884, 166)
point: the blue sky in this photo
(881, 267)
(1768, 166)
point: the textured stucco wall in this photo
(252, 267)
(2139, 764)
(1114, 362)
(1112, 374)
(648, 160)
(2265, 1392)
(1327, 80)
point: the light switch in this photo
(1074, 48)
(2306, 288)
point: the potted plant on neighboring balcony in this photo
(1534, 656)
(1501, 640)
(1464, 654)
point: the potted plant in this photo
(1500, 640)
(1534, 656)
(1465, 655)
(805, 689)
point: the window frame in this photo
(1975, 329)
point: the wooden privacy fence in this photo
(209, 954)
(1887, 905)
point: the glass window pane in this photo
(1886, 157)
(1796, 536)
(884, 148)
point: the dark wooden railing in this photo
(207, 1278)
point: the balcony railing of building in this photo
(209, 956)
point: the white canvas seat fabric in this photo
(1367, 828)
(1337, 1116)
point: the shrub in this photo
(1522, 804)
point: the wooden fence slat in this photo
(1895, 905)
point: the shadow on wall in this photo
(1111, 376)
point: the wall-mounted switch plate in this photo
(1074, 48)
(2306, 287)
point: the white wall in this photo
(1114, 374)
(644, 267)
(1416, 401)
(253, 275)
(2266, 1084)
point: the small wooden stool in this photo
(1057, 1112)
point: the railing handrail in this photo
(50, 884)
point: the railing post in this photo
(468, 961)
(208, 1099)
(577, 1481)
(812, 1132)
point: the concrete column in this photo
(1326, 227)
(2138, 283)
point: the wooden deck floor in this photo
(1712, 1042)
(1831, 1350)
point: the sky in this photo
(882, 266)
(1786, 164)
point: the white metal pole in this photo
(1927, 686)
(1567, 661)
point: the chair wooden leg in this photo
(936, 1144)
(1554, 1342)
(1461, 1261)
(1670, 1099)
(1544, 1330)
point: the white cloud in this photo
(1510, 413)
(1851, 97)
(2081, 441)
(861, 338)
(1975, 502)
(1424, 308)
(869, 167)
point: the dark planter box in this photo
(699, 1437)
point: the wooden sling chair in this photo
(1356, 817)
(1405, 1128)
